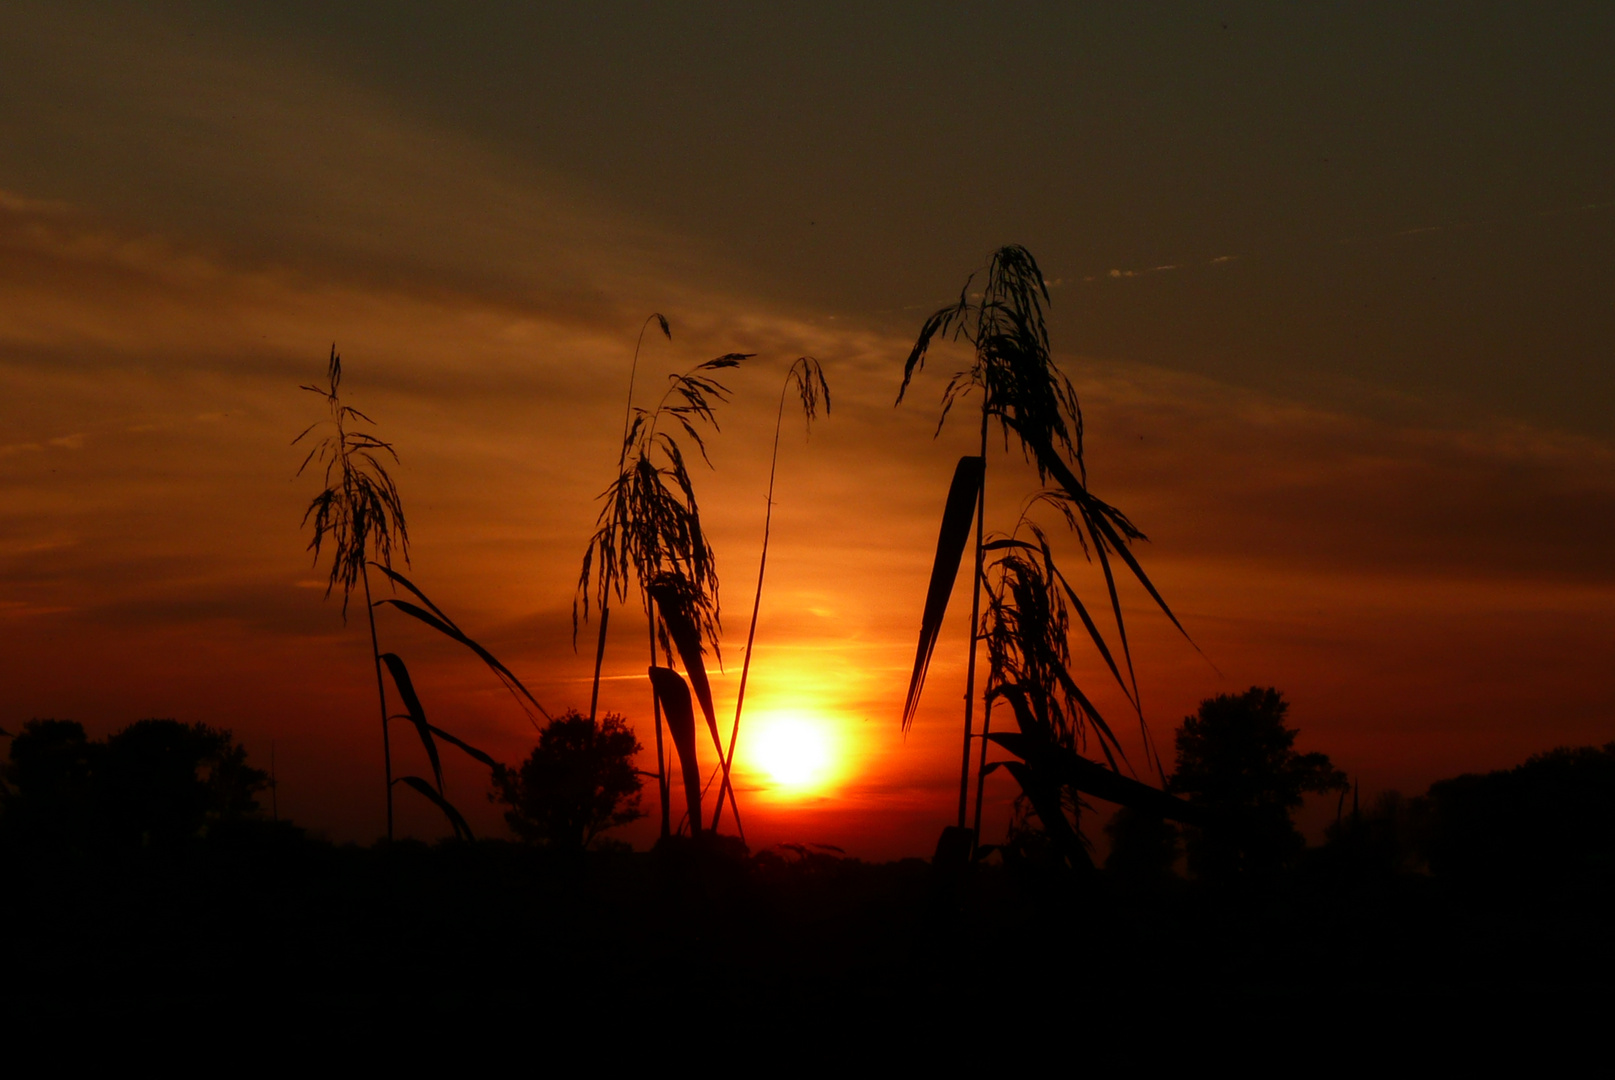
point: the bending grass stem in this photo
(751, 633)
(981, 765)
(381, 695)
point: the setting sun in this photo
(794, 751)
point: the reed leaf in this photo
(1027, 629)
(963, 493)
(1089, 777)
(437, 620)
(470, 750)
(457, 822)
(674, 695)
(1048, 803)
(416, 714)
(674, 600)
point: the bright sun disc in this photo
(793, 751)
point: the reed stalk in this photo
(359, 510)
(381, 697)
(808, 377)
(622, 455)
(650, 529)
(1022, 388)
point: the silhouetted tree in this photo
(156, 782)
(578, 782)
(1237, 760)
(161, 782)
(50, 793)
(1551, 819)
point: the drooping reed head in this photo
(650, 526)
(359, 510)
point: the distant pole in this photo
(274, 784)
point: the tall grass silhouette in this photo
(604, 605)
(1020, 387)
(359, 513)
(649, 532)
(807, 377)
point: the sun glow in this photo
(795, 751)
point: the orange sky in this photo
(1425, 575)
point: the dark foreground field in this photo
(268, 931)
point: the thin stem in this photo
(656, 708)
(605, 597)
(381, 695)
(751, 633)
(975, 617)
(981, 767)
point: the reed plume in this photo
(360, 513)
(650, 531)
(1024, 392)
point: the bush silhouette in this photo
(1237, 759)
(578, 782)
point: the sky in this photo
(1333, 283)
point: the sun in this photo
(795, 751)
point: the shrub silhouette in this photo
(1237, 760)
(578, 782)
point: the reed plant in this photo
(649, 533)
(1018, 386)
(807, 378)
(358, 513)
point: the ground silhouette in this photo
(232, 915)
